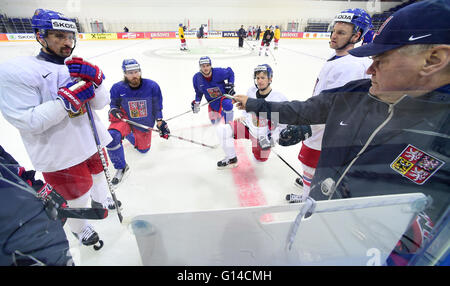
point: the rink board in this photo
(357, 231)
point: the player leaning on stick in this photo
(137, 99)
(38, 97)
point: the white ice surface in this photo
(176, 175)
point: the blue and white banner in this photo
(228, 34)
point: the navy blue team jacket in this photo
(407, 144)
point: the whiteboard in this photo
(356, 231)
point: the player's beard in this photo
(134, 82)
(65, 52)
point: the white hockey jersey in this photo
(53, 140)
(336, 73)
(258, 127)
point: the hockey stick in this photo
(83, 213)
(208, 102)
(281, 158)
(270, 51)
(170, 135)
(99, 151)
(249, 45)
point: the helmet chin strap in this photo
(349, 42)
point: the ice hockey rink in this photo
(175, 175)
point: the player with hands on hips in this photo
(139, 100)
(47, 105)
(213, 83)
(256, 127)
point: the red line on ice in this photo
(248, 190)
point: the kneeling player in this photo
(256, 128)
(135, 99)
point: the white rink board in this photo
(357, 231)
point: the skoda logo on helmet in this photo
(64, 25)
(344, 17)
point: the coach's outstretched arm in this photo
(312, 111)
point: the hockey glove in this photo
(293, 134)
(116, 113)
(85, 70)
(195, 105)
(74, 95)
(164, 131)
(265, 142)
(53, 201)
(229, 88)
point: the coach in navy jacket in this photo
(390, 134)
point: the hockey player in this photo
(255, 128)
(368, 37)
(39, 97)
(213, 83)
(348, 28)
(139, 100)
(277, 36)
(182, 38)
(266, 39)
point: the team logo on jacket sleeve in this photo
(416, 165)
(138, 108)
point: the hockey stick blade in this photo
(83, 213)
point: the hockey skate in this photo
(88, 236)
(299, 182)
(227, 163)
(293, 198)
(109, 204)
(120, 174)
